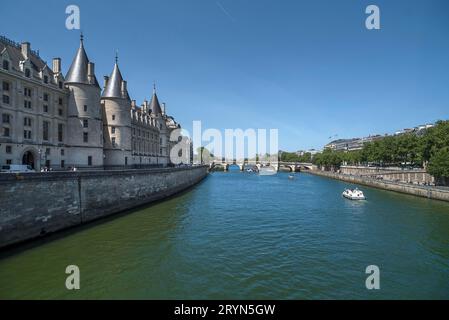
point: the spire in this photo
(114, 86)
(154, 103)
(78, 70)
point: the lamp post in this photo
(40, 159)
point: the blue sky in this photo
(309, 68)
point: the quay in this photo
(430, 192)
(36, 204)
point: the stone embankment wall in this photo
(390, 174)
(35, 204)
(437, 193)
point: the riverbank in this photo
(429, 192)
(36, 204)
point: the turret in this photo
(116, 119)
(84, 125)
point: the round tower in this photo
(162, 154)
(84, 124)
(116, 106)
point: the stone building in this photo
(60, 122)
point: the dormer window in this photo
(27, 73)
(45, 79)
(60, 84)
(6, 64)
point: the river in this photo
(243, 236)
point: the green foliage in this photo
(293, 157)
(439, 163)
(406, 149)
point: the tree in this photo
(439, 163)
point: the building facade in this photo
(48, 120)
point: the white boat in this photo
(267, 171)
(355, 194)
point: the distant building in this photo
(357, 143)
(350, 144)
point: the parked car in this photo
(12, 168)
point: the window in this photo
(45, 96)
(89, 160)
(85, 137)
(45, 79)
(60, 84)
(47, 151)
(62, 163)
(113, 117)
(60, 101)
(62, 152)
(160, 126)
(5, 132)
(6, 118)
(85, 108)
(6, 64)
(27, 122)
(27, 104)
(27, 73)
(27, 92)
(60, 112)
(113, 142)
(45, 107)
(5, 99)
(113, 130)
(27, 134)
(8, 161)
(85, 123)
(47, 163)
(60, 132)
(45, 130)
(8, 149)
(5, 86)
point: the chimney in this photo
(124, 88)
(26, 49)
(106, 80)
(91, 71)
(57, 65)
(133, 104)
(163, 107)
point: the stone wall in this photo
(436, 193)
(32, 205)
(390, 174)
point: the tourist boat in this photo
(249, 170)
(291, 177)
(355, 194)
(267, 171)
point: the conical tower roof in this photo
(114, 86)
(78, 70)
(154, 103)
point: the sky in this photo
(308, 68)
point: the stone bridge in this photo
(292, 166)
